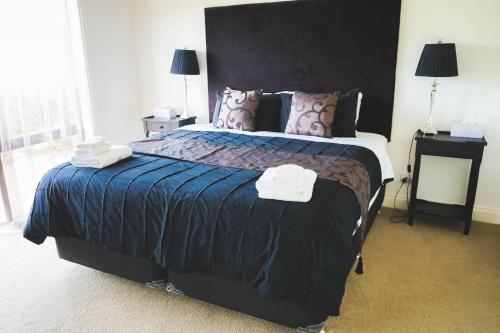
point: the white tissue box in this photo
(467, 131)
(164, 112)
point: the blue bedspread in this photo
(198, 217)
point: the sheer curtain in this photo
(44, 103)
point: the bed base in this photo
(243, 298)
(213, 289)
(129, 267)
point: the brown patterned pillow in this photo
(238, 109)
(312, 114)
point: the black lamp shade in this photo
(438, 60)
(185, 62)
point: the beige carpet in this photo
(425, 278)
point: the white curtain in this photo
(43, 94)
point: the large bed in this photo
(160, 215)
(183, 212)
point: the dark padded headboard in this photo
(313, 46)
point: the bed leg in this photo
(171, 289)
(319, 328)
(156, 284)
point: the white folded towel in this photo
(287, 182)
(93, 150)
(290, 176)
(286, 196)
(115, 154)
(92, 143)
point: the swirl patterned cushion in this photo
(238, 109)
(312, 114)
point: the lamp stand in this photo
(429, 129)
(185, 114)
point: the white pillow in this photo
(280, 92)
(358, 107)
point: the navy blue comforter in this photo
(196, 217)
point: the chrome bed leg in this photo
(319, 328)
(171, 289)
(156, 284)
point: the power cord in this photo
(403, 215)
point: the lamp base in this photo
(429, 131)
(185, 115)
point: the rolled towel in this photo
(287, 183)
(285, 172)
(266, 183)
(294, 184)
(115, 154)
(91, 143)
(92, 151)
(288, 175)
(283, 189)
(286, 196)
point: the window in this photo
(44, 100)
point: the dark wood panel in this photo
(313, 46)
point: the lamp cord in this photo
(403, 215)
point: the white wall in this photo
(112, 68)
(475, 28)
(160, 26)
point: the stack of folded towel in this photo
(98, 153)
(288, 182)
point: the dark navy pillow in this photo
(267, 113)
(344, 122)
(286, 106)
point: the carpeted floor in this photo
(425, 278)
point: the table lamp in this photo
(437, 60)
(185, 63)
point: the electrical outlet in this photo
(405, 179)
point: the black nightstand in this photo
(445, 145)
(152, 124)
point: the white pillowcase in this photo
(358, 107)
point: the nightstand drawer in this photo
(154, 126)
(447, 149)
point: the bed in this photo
(175, 216)
(160, 216)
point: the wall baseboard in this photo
(480, 214)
